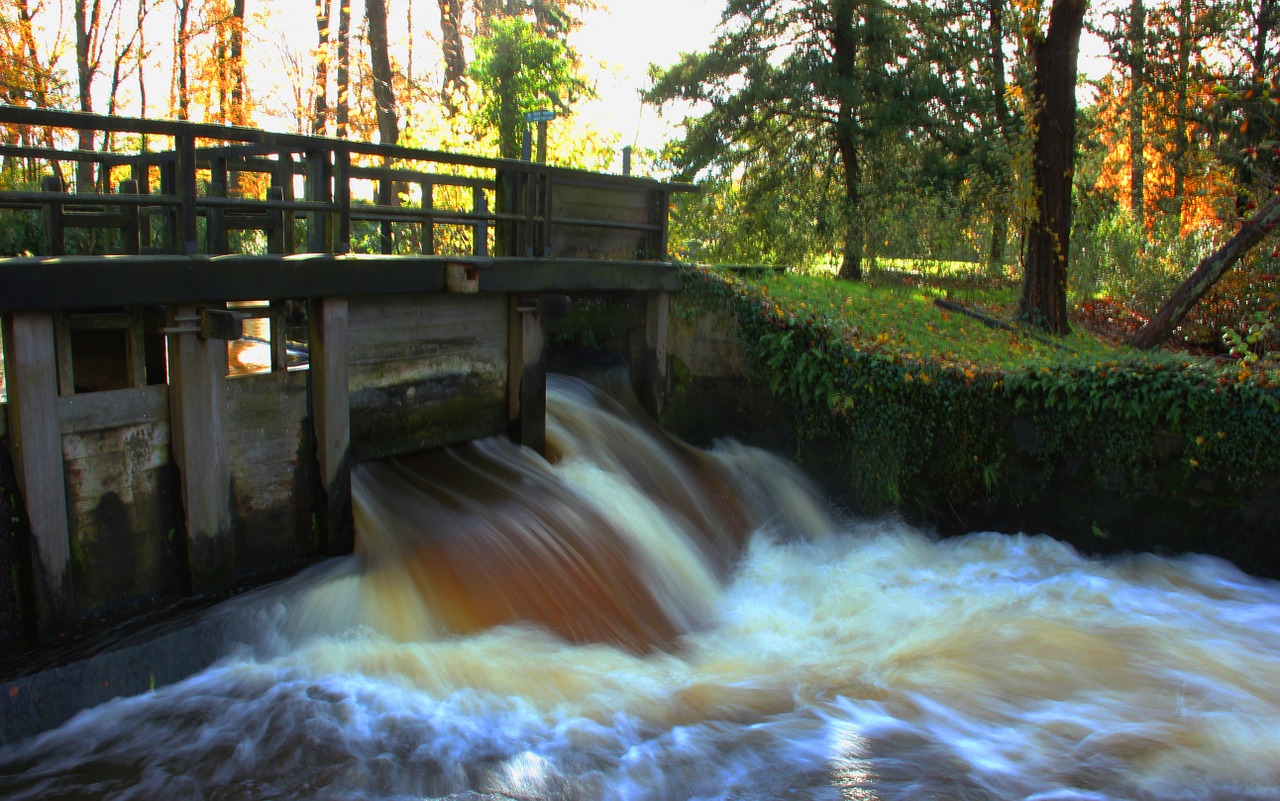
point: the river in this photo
(634, 619)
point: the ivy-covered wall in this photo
(1143, 455)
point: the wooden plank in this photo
(66, 363)
(135, 344)
(331, 416)
(116, 408)
(30, 365)
(197, 415)
(574, 242)
(596, 197)
(98, 282)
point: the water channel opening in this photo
(636, 619)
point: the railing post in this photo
(280, 238)
(479, 231)
(142, 182)
(428, 246)
(659, 250)
(215, 229)
(387, 197)
(342, 197)
(130, 229)
(532, 179)
(544, 246)
(184, 174)
(36, 444)
(318, 190)
(55, 242)
(508, 200)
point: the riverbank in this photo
(976, 428)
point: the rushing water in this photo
(639, 620)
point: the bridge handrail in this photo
(196, 174)
(275, 140)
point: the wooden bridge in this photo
(219, 323)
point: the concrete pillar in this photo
(331, 417)
(649, 358)
(526, 373)
(197, 419)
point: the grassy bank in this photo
(924, 409)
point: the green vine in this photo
(932, 433)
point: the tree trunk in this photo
(1000, 205)
(1253, 231)
(1182, 116)
(86, 18)
(1137, 93)
(999, 240)
(180, 57)
(40, 80)
(142, 81)
(344, 65)
(1260, 62)
(239, 103)
(844, 44)
(380, 64)
(320, 116)
(854, 238)
(455, 59)
(1044, 287)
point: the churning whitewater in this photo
(634, 619)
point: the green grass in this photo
(904, 323)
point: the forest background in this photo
(860, 138)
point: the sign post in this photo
(542, 117)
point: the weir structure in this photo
(222, 321)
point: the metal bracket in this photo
(222, 324)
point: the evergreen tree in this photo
(517, 69)
(829, 83)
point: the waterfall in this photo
(632, 618)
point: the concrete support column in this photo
(526, 373)
(197, 418)
(649, 359)
(31, 375)
(331, 417)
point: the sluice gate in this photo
(211, 330)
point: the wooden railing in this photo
(189, 188)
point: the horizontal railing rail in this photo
(190, 185)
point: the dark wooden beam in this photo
(87, 282)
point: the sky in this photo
(624, 37)
(629, 36)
